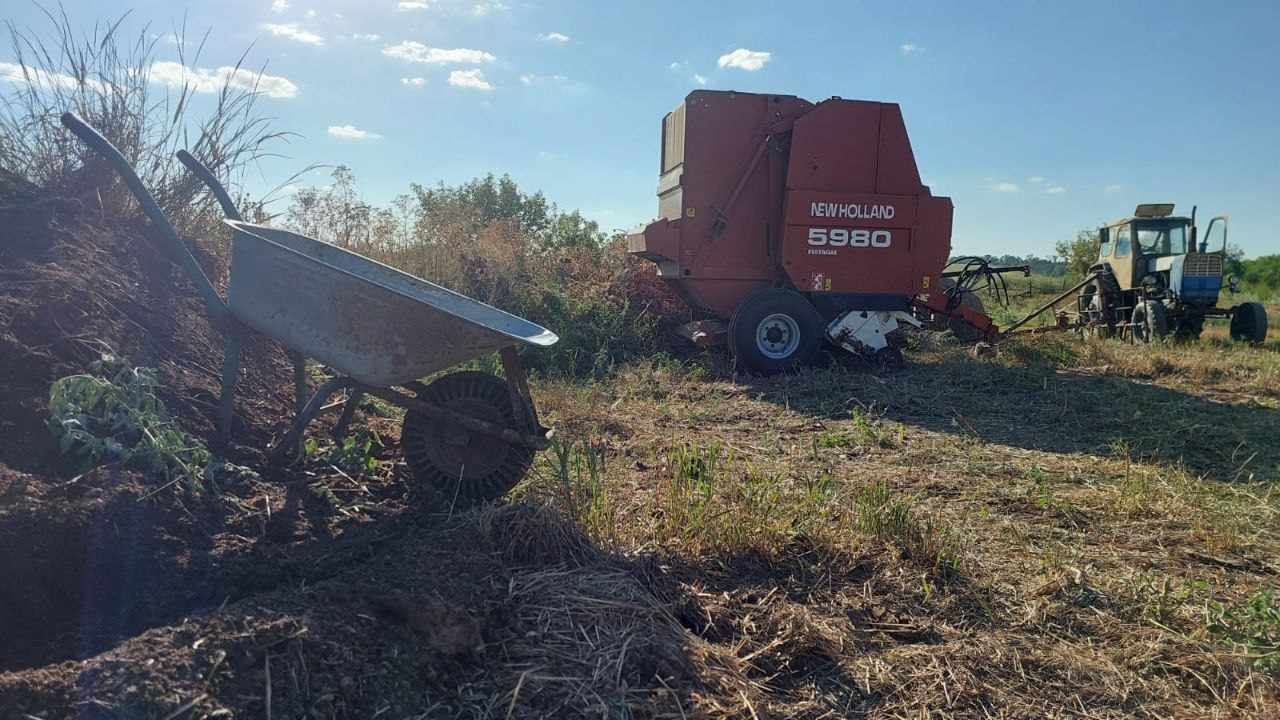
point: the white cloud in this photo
(1006, 187)
(1055, 189)
(544, 155)
(311, 13)
(348, 132)
(1036, 179)
(46, 80)
(699, 79)
(412, 5)
(554, 38)
(371, 37)
(531, 79)
(1113, 189)
(293, 32)
(485, 8)
(469, 79)
(279, 6)
(745, 59)
(677, 66)
(200, 80)
(415, 82)
(419, 53)
(910, 48)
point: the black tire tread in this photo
(419, 432)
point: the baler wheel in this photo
(774, 330)
(466, 467)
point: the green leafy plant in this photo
(355, 454)
(113, 414)
(1253, 626)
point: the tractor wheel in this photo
(775, 330)
(466, 467)
(1150, 321)
(1249, 323)
(956, 325)
(1097, 303)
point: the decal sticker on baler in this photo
(853, 211)
(823, 240)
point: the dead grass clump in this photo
(593, 643)
(535, 533)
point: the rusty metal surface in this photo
(372, 322)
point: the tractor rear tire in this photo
(1249, 323)
(1150, 322)
(958, 327)
(775, 330)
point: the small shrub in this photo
(112, 414)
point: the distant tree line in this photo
(428, 215)
(1050, 267)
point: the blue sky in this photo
(1037, 119)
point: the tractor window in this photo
(1169, 240)
(1123, 244)
(1104, 243)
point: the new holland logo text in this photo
(853, 211)
(826, 238)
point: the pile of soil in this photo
(75, 284)
(88, 559)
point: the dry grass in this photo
(1043, 534)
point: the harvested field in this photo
(1068, 529)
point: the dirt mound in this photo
(485, 617)
(90, 561)
(73, 284)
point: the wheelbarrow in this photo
(470, 434)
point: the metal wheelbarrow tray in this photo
(471, 434)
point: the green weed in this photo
(879, 514)
(113, 414)
(1252, 626)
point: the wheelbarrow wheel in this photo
(465, 466)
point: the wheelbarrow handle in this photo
(206, 176)
(218, 311)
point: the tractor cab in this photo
(1156, 251)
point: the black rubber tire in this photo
(1150, 321)
(1104, 324)
(465, 467)
(957, 326)
(1249, 323)
(772, 305)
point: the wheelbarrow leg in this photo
(521, 400)
(289, 443)
(230, 375)
(300, 385)
(348, 411)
